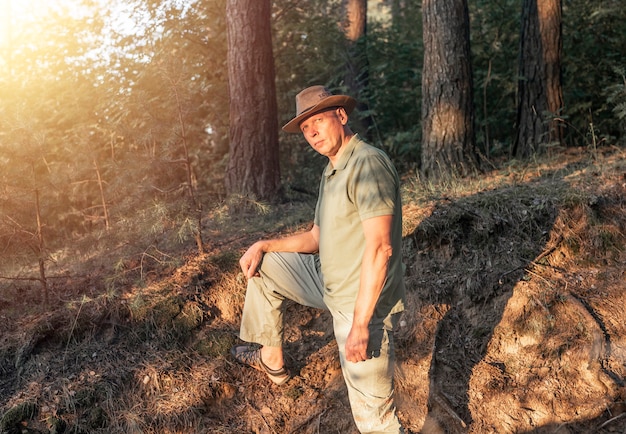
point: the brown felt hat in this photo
(313, 100)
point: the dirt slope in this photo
(515, 324)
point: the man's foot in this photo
(251, 355)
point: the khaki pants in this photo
(297, 277)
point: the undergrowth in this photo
(137, 335)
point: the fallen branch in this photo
(38, 279)
(448, 408)
(613, 419)
(21, 278)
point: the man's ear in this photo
(342, 115)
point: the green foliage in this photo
(10, 421)
(394, 92)
(176, 106)
(404, 148)
(494, 37)
(308, 50)
(144, 106)
(216, 344)
(593, 50)
(46, 116)
(616, 97)
(593, 43)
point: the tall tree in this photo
(253, 168)
(357, 65)
(539, 86)
(448, 144)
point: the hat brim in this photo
(347, 102)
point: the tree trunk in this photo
(356, 19)
(357, 64)
(540, 97)
(41, 251)
(253, 166)
(448, 144)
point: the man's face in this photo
(324, 130)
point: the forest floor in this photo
(515, 320)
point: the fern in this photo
(616, 98)
(620, 110)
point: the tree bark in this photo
(253, 165)
(448, 143)
(540, 96)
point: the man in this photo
(349, 263)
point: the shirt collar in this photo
(346, 153)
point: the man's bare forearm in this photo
(306, 242)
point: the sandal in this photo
(251, 356)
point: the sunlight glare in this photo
(17, 14)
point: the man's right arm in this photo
(306, 242)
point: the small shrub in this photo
(216, 344)
(9, 423)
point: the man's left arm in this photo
(374, 269)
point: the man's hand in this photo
(251, 260)
(356, 344)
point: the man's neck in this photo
(344, 143)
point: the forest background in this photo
(118, 161)
(114, 109)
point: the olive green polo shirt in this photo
(362, 185)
